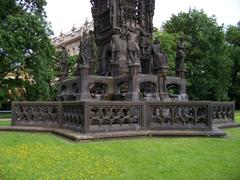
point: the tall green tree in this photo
(208, 66)
(233, 39)
(26, 52)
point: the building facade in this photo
(71, 40)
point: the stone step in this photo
(79, 137)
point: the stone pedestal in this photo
(115, 69)
(134, 69)
(83, 70)
(145, 63)
(92, 67)
(133, 83)
(180, 73)
(162, 89)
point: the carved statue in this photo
(93, 3)
(144, 44)
(150, 7)
(87, 48)
(92, 46)
(180, 55)
(159, 58)
(63, 64)
(133, 50)
(83, 50)
(115, 42)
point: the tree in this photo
(25, 51)
(233, 38)
(208, 66)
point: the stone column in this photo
(83, 73)
(115, 69)
(180, 73)
(162, 89)
(133, 82)
(92, 67)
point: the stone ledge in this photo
(226, 125)
(116, 135)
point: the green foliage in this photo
(168, 45)
(208, 66)
(233, 38)
(43, 156)
(237, 117)
(26, 52)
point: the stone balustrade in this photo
(109, 116)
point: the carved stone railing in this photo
(223, 112)
(73, 116)
(104, 116)
(114, 116)
(36, 114)
(181, 115)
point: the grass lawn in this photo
(237, 116)
(45, 156)
(5, 116)
(5, 123)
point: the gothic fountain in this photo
(124, 86)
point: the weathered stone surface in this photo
(129, 89)
(125, 57)
(110, 116)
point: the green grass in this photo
(5, 116)
(5, 123)
(237, 116)
(45, 156)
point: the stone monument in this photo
(125, 57)
(122, 82)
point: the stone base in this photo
(83, 70)
(115, 135)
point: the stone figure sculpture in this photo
(92, 46)
(133, 50)
(180, 58)
(115, 43)
(121, 49)
(84, 50)
(144, 44)
(159, 59)
(92, 52)
(63, 64)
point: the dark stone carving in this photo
(174, 116)
(36, 114)
(129, 69)
(93, 52)
(84, 53)
(223, 112)
(121, 45)
(159, 58)
(133, 51)
(180, 58)
(115, 116)
(73, 117)
(116, 46)
(144, 44)
(63, 64)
